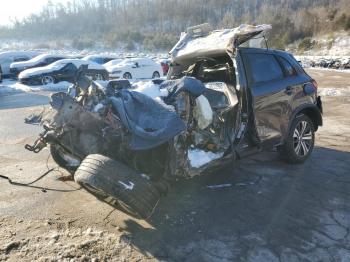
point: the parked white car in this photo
(8, 57)
(135, 68)
(40, 60)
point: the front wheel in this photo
(98, 77)
(118, 185)
(64, 160)
(156, 75)
(300, 141)
(127, 76)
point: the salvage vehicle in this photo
(221, 102)
(37, 61)
(61, 70)
(135, 68)
(8, 57)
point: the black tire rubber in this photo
(127, 74)
(287, 151)
(108, 179)
(60, 161)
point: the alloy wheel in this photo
(47, 80)
(302, 138)
(155, 75)
(98, 77)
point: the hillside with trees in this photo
(156, 24)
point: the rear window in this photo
(287, 67)
(264, 67)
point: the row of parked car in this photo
(33, 68)
(326, 62)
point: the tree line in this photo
(156, 24)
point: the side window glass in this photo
(70, 68)
(287, 67)
(264, 67)
(20, 59)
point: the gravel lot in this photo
(272, 211)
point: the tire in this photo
(156, 75)
(118, 185)
(99, 77)
(46, 80)
(300, 141)
(127, 75)
(59, 160)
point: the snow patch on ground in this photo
(8, 87)
(199, 157)
(332, 91)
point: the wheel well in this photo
(314, 115)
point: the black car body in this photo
(227, 102)
(62, 70)
(38, 61)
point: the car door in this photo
(66, 73)
(137, 70)
(271, 96)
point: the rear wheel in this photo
(127, 75)
(99, 77)
(46, 80)
(300, 141)
(118, 185)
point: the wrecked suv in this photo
(220, 102)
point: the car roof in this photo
(264, 50)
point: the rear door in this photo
(271, 95)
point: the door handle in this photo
(289, 90)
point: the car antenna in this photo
(267, 46)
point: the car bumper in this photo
(319, 104)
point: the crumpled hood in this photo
(200, 41)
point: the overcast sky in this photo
(10, 9)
